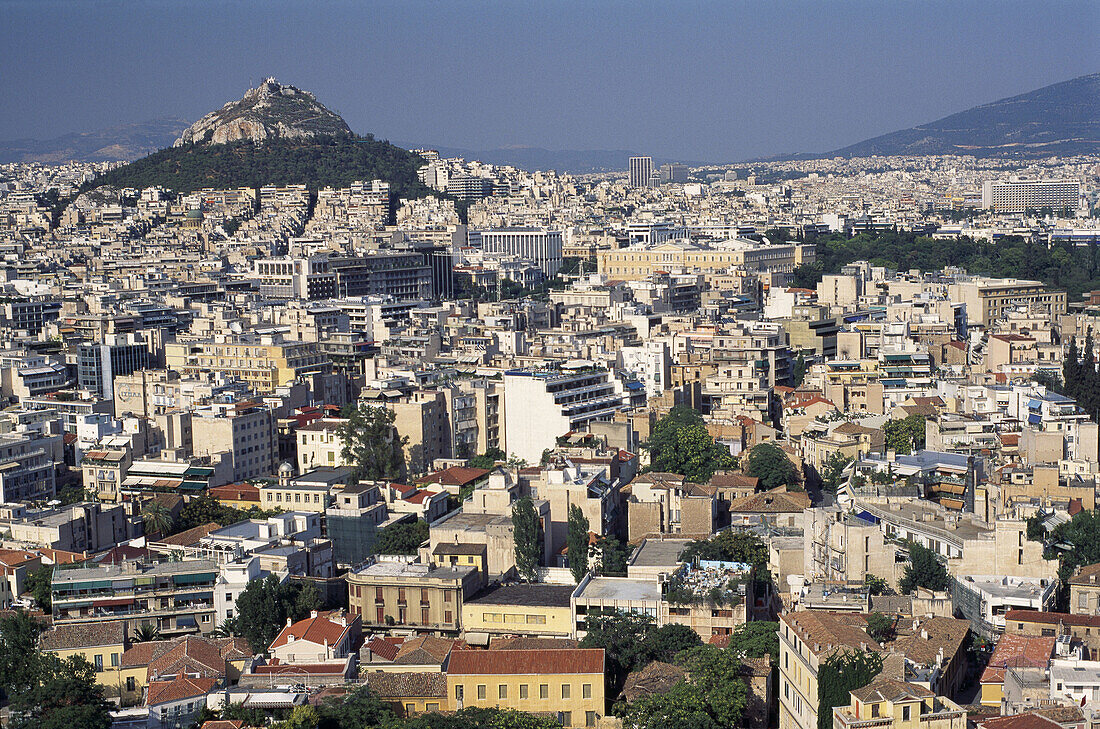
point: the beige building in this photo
(422, 418)
(535, 610)
(567, 684)
(1084, 591)
(640, 261)
(245, 429)
(417, 596)
(890, 704)
(990, 299)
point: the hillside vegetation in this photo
(318, 162)
(1062, 265)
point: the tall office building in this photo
(538, 245)
(641, 171)
(99, 364)
(1016, 196)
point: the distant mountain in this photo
(275, 134)
(270, 110)
(576, 161)
(1061, 119)
(125, 142)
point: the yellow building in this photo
(101, 644)
(265, 361)
(410, 693)
(1084, 591)
(520, 609)
(887, 703)
(566, 683)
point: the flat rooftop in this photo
(620, 588)
(659, 553)
(1008, 588)
(524, 594)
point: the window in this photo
(99, 662)
(905, 713)
(131, 684)
(590, 718)
(544, 691)
(458, 693)
(446, 616)
(523, 691)
(425, 618)
(565, 718)
(481, 691)
(874, 711)
(586, 691)
(565, 691)
(431, 706)
(502, 691)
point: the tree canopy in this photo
(264, 606)
(838, 675)
(402, 538)
(832, 471)
(577, 543)
(713, 695)
(728, 545)
(905, 435)
(1082, 535)
(924, 570)
(756, 639)
(680, 443)
(770, 464)
(371, 443)
(526, 532)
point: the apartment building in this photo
(1017, 196)
(890, 704)
(264, 361)
(640, 261)
(81, 527)
(28, 465)
(174, 597)
(245, 429)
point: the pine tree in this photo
(1088, 395)
(1071, 369)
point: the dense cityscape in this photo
(304, 430)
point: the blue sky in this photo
(715, 81)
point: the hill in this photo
(532, 159)
(1061, 119)
(271, 110)
(316, 162)
(124, 142)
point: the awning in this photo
(114, 602)
(1034, 418)
(477, 638)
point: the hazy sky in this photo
(714, 81)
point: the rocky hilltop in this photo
(271, 110)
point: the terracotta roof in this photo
(319, 630)
(1087, 575)
(189, 537)
(526, 663)
(274, 668)
(888, 689)
(223, 724)
(532, 644)
(139, 654)
(656, 678)
(1034, 616)
(1061, 714)
(187, 655)
(16, 557)
(776, 501)
(414, 684)
(382, 648)
(1026, 720)
(946, 634)
(424, 649)
(82, 635)
(730, 480)
(160, 692)
(1016, 651)
(825, 631)
(235, 492)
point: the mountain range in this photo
(1060, 119)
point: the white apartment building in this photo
(1016, 196)
(543, 247)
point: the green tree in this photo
(1082, 535)
(728, 546)
(770, 464)
(756, 639)
(357, 709)
(680, 443)
(798, 370)
(578, 543)
(668, 641)
(473, 717)
(682, 706)
(876, 585)
(264, 606)
(488, 459)
(716, 673)
(832, 471)
(20, 662)
(612, 556)
(906, 435)
(402, 538)
(841, 673)
(157, 518)
(526, 528)
(145, 633)
(371, 443)
(880, 627)
(924, 570)
(65, 696)
(39, 584)
(622, 635)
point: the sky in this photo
(697, 81)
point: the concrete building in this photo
(538, 245)
(411, 595)
(641, 171)
(1017, 196)
(244, 429)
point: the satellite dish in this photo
(236, 327)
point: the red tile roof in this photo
(455, 476)
(317, 630)
(382, 648)
(1016, 651)
(1026, 720)
(1034, 616)
(526, 663)
(161, 692)
(236, 492)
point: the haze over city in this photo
(707, 81)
